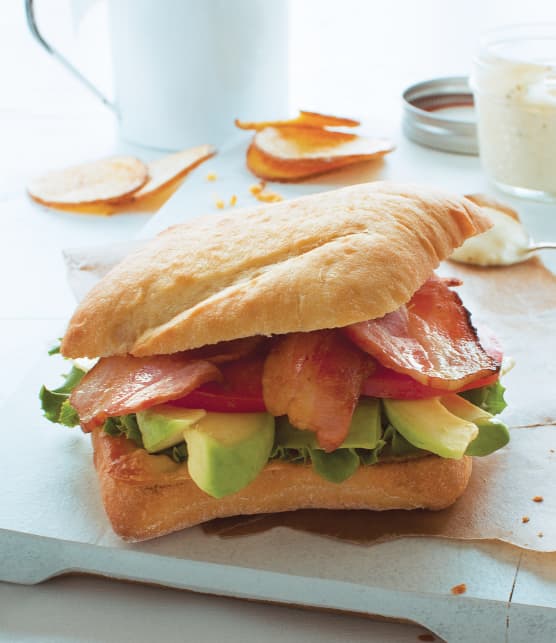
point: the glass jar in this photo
(514, 85)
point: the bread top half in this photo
(320, 261)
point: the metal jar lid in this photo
(440, 113)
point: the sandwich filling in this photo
(415, 382)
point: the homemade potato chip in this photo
(79, 189)
(296, 143)
(104, 181)
(148, 204)
(291, 153)
(297, 148)
(271, 169)
(164, 171)
(305, 119)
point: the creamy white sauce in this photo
(84, 363)
(504, 244)
(516, 116)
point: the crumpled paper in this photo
(86, 266)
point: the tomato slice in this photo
(241, 390)
(385, 382)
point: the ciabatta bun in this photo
(321, 261)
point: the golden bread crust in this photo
(147, 496)
(321, 261)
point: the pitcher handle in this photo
(32, 24)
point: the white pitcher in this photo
(184, 69)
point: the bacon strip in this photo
(125, 384)
(228, 351)
(315, 379)
(430, 339)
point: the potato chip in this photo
(305, 119)
(173, 167)
(293, 153)
(296, 143)
(148, 204)
(104, 181)
(271, 169)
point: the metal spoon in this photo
(548, 245)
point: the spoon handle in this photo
(548, 245)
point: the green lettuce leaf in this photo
(286, 454)
(336, 466)
(178, 453)
(55, 403)
(371, 456)
(489, 398)
(68, 415)
(55, 350)
(402, 447)
(339, 465)
(124, 425)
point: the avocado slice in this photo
(364, 431)
(493, 434)
(162, 426)
(226, 451)
(428, 425)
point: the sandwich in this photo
(297, 355)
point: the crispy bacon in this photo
(125, 384)
(430, 339)
(315, 379)
(228, 351)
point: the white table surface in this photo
(47, 121)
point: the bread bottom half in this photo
(146, 496)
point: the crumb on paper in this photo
(257, 188)
(269, 197)
(219, 204)
(525, 519)
(211, 176)
(538, 499)
(259, 191)
(540, 534)
(459, 589)
(551, 450)
(426, 637)
(233, 200)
